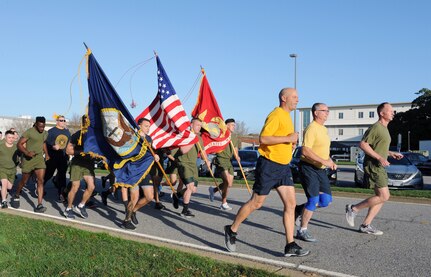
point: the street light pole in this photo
(408, 141)
(294, 56)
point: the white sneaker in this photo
(225, 207)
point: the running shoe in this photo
(350, 215)
(14, 202)
(68, 213)
(369, 229)
(4, 205)
(159, 206)
(127, 224)
(294, 250)
(229, 239)
(82, 212)
(40, 209)
(305, 235)
(187, 214)
(225, 207)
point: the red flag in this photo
(169, 122)
(215, 136)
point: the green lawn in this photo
(31, 247)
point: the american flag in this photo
(169, 122)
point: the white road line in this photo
(199, 247)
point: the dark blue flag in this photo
(111, 133)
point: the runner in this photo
(32, 145)
(273, 172)
(224, 166)
(8, 163)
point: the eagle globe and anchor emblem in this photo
(118, 131)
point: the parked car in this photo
(294, 166)
(253, 147)
(420, 161)
(248, 163)
(402, 173)
(202, 166)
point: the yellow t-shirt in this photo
(278, 123)
(317, 139)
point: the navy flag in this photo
(111, 133)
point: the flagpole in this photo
(240, 167)
(209, 167)
(160, 166)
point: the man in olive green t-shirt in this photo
(8, 163)
(375, 143)
(32, 145)
(224, 166)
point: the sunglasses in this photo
(62, 120)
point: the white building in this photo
(347, 124)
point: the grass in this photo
(30, 247)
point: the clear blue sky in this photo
(349, 52)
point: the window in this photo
(340, 132)
(371, 114)
(340, 115)
(361, 132)
(361, 115)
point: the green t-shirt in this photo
(35, 140)
(8, 156)
(379, 139)
(227, 153)
(189, 159)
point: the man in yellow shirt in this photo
(273, 172)
(314, 159)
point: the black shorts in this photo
(314, 180)
(271, 175)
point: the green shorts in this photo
(30, 164)
(77, 172)
(188, 174)
(8, 174)
(375, 175)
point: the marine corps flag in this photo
(111, 132)
(215, 134)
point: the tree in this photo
(417, 121)
(22, 124)
(241, 129)
(74, 123)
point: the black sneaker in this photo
(39, 209)
(128, 225)
(4, 205)
(294, 250)
(134, 218)
(187, 214)
(159, 206)
(69, 214)
(229, 239)
(14, 202)
(175, 200)
(82, 212)
(104, 196)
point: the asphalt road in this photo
(403, 250)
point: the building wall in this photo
(348, 123)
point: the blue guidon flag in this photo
(111, 133)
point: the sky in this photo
(348, 52)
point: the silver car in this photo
(401, 174)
